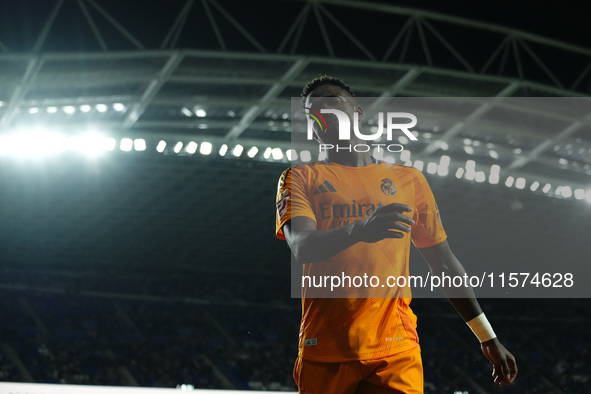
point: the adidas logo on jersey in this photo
(325, 187)
(311, 342)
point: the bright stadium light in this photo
(69, 109)
(305, 156)
(252, 152)
(101, 107)
(588, 196)
(567, 192)
(432, 168)
(520, 183)
(405, 155)
(37, 143)
(390, 160)
(277, 154)
(201, 113)
(444, 161)
(223, 150)
(139, 144)
(126, 144)
(480, 176)
(85, 108)
(206, 148)
(186, 112)
(33, 110)
(580, 194)
(321, 156)
(161, 146)
(495, 169)
(460, 172)
(90, 143)
(109, 144)
(237, 151)
(493, 179)
(51, 110)
(419, 165)
(443, 145)
(469, 150)
(493, 154)
(119, 107)
(377, 153)
(402, 139)
(534, 186)
(178, 147)
(191, 147)
(291, 154)
(267, 153)
(509, 181)
(547, 188)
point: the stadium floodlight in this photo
(277, 154)
(509, 181)
(161, 146)
(566, 192)
(470, 169)
(191, 147)
(579, 194)
(139, 144)
(442, 170)
(178, 147)
(201, 113)
(460, 172)
(443, 145)
(186, 112)
(291, 154)
(408, 163)
(51, 110)
(223, 150)
(467, 141)
(588, 196)
(479, 176)
(534, 186)
(305, 156)
(419, 165)
(268, 153)
(252, 152)
(109, 144)
(322, 156)
(390, 160)
(126, 144)
(119, 107)
(405, 155)
(231, 113)
(402, 139)
(469, 150)
(520, 183)
(237, 151)
(547, 188)
(33, 144)
(33, 110)
(69, 109)
(432, 168)
(495, 169)
(90, 143)
(493, 179)
(101, 107)
(378, 153)
(85, 108)
(444, 161)
(206, 148)
(493, 154)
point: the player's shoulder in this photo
(401, 168)
(301, 168)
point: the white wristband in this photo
(481, 328)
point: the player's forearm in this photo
(463, 299)
(313, 246)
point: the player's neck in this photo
(350, 159)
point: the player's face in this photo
(331, 97)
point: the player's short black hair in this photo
(324, 80)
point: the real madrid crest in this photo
(388, 187)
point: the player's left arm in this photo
(441, 260)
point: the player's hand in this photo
(504, 366)
(385, 222)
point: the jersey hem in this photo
(359, 357)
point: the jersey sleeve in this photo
(292, 200)
(428, 231)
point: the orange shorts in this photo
(401, 374)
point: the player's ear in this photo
(359, 110)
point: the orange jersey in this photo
(333, 195)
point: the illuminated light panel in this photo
(126, 144)
(201, 113)
(101, 107)
(480, 176)
(469, 150)
(223, 150)
(161, 146)
(495, 169)
(252, 152)
(32, 144)
(493, 154)
(305, 156)
(291, 154)
(408, 163)
(191, 147)
(493, 179)
(442, 170)
(534, 186)
(51, 110)
(206, 148)
(186, 112)
(267, 153)
(547, 188)
(69, 109)
(237, 151)
(444, 161)
(405, 155)
(588, 196)
(139, 144)
(443, 145)
(277, 154)
(520, 183)
(459, 172)
(322, 156)
(580, 194)
(467, 141)
(470, 170)
(109, 144)
(390, 160)
(432, 168)
(419, 165)
(178, 147)
(509, 181)
(33, 110)
(402, 139)
(566, 192)
(85, 108)
(119, 107)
